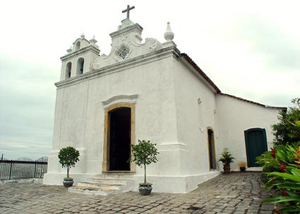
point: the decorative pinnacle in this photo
(169, 35)
(82, 36)
(93, 40)
(69, 50)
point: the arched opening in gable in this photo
(77, 47)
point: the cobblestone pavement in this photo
(232, 193)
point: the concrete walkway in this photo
(233, 193)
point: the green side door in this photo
(256, 144)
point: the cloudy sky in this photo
(249, 49)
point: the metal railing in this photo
(12, 169)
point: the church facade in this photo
(150, 91)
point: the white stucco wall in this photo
(193, 118)
(79, 115)
(234, 116)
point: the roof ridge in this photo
(249, 101)
(199, 70)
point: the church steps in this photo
(89, 190)
(103, 185)
(88, 183)
(114, 175)
(109, 180)
(100, 185)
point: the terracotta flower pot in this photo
(226, 168)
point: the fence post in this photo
(34, 169)
(10, 169)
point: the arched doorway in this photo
(211, 149)
(256, 145)
(119, 139)
(119, 134)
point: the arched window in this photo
(68, 70)
(80, 66)
(77, 46)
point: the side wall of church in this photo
(234, 117)
(195, 106)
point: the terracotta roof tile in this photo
(249, 101)
(210, 82)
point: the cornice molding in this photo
(120, 99)
(80, 51)
(118, 67)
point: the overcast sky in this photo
(249, 49)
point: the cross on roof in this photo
(127, 10)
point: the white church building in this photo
(149, 90)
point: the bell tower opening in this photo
(68, 70)
(80, 66)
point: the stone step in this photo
(91, 190)
(109, 180)
(91, 183)
(103, 184)
(114, 175)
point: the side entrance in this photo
(256, 144)
(211, 149)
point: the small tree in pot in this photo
(226, 158)
(144, 154)
(67, 158)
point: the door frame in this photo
(213, 148)
(264, 138)
(106, 142)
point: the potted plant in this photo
(226, 158)
(144, 153)
(242, 165)
(67, 158)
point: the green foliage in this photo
(282, 164)
(226, 157)
(287, 131)
(144, 153)
(68, 179)
(68, 157)
(268, 163)
(282, 173)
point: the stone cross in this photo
(127, 10)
